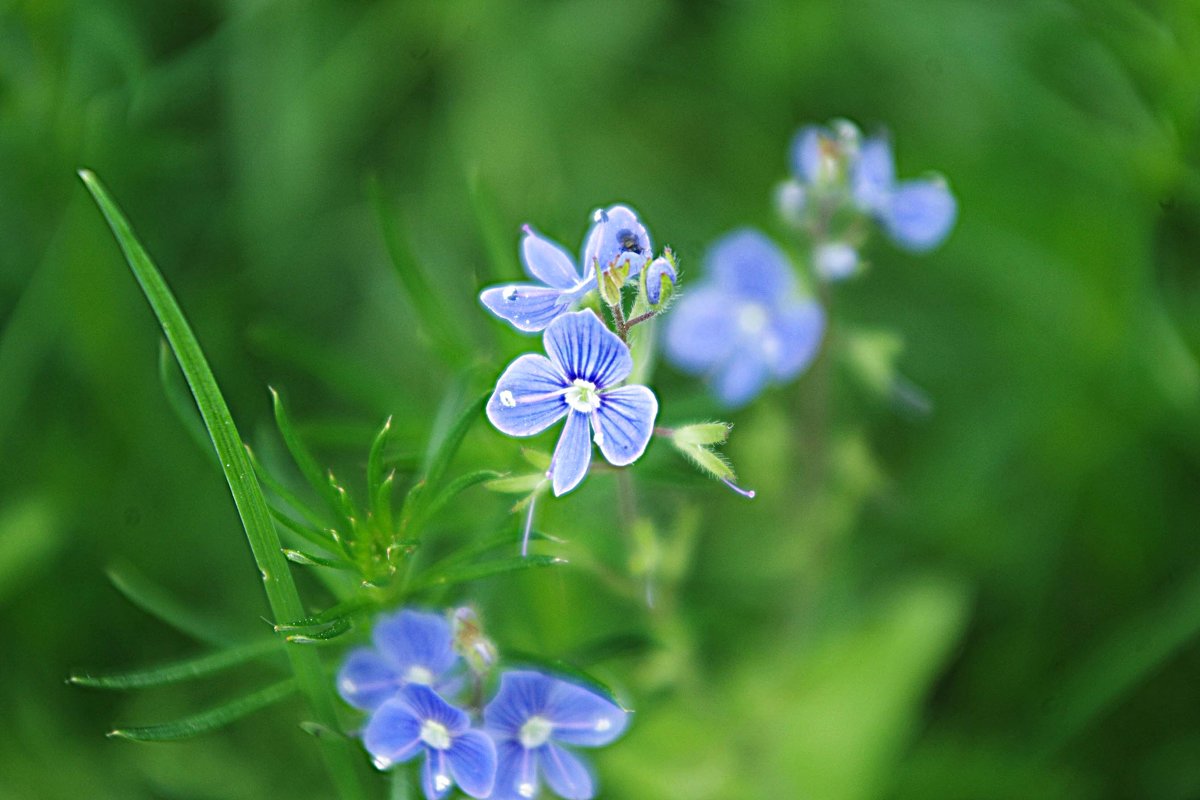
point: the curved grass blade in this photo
(211, 720)
(309, 560)
(457, 487)
(472, 572)
(378, 483)
(158, 603)
(178, 671)
(307, 465)
(311, 535)
(247, 495)
(471, 552)
(442, 449)
(447, 338)
(284, 493)
(181, 404)
(339, 628)
(341, 611)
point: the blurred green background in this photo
(997, 599)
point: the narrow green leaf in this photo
(309, 560)
(158, 603)
(185, 670)
(211, 720)
(327, 617)
(499, 243)
(285, 494)
(312, 472)
(517, 484)
(539, 459)
(315, 536)
(457, 487)
(446, 337)
(180, 403)
(487, 569)
(339, 627)
(443, 449)
(239, 473)
(377, 479)
(469, 553)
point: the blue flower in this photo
(578, 381)
(917, 214)
(416, 720)
(530, 718)
(411, 647)
(745, 325)
(659, 268)
(615, 235)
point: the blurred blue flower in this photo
(417, 720)
(410, 647)
(745, 325)
(917, 214)
(577, 381)
(616, 235)
(530, 718)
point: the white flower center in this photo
(435, 735)
(603, 724)
(526, 789)
(583, 396)
(752, 318)
(535, 733)
(419, 675)
(441, 782)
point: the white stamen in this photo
(535, 732)
(441, 782)
(752, 318)
(603, 724)
(526, 789)
(381, 763)
(419, 675)
(507, 399)
(435, 735)
(582, 396)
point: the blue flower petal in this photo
(624, 422)
(393, 734)
(874, 174)
(528, 306)
(419, 645)
(522, 694)
(920, 214)
(700, 330)
(548, 262)
(426, 704)
(566, 773)
(528, 397)
(582, 347)
(795, 334)
(366, 679)
(741, 378)
(805, 153)
(472, 758)
(617, 233)
(582, 717)
(516, 770)
(572, 455)
(654, 275)
(747, 264)
(435, 775)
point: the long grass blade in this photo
(158, 603)
(188, 669)
(211, 720)
(247, 495)
(304, 459)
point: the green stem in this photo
(247, 494)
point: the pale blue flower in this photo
(410, 647)
(917, 214)
(578, 381)
(417, 720)
(616, 236)
(531, 718)
(746, 325)
(659, 268)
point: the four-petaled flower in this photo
(616, 236)
(530, 718)
(416, 719)
(746, 324)
(577, 381)
(410, 647)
